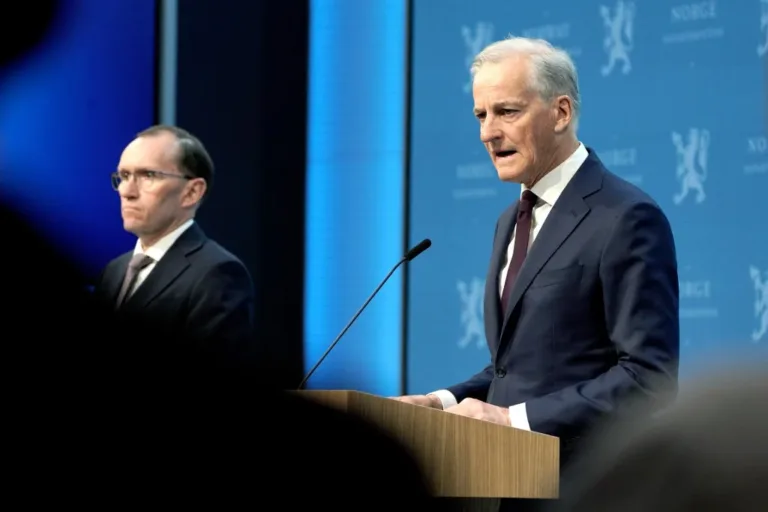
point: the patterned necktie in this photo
(137, 263)
(522, 236)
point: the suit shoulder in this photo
(622, 195)
(215, 268)
(629, 210)
(213, 254)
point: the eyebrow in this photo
(123, 169)
(502, 104)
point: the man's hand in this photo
(422, 400)
(472, 408)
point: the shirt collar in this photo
(549, 188)
(158, 250)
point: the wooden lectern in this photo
(461, 457)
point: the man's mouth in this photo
(504, 153)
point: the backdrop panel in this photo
(674, 100)
(355, 174)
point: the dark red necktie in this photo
(522, 237)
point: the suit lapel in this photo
(113, 278)
(492, 304)
(567, 213)
(172, 265)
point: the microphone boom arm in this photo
(359, 311)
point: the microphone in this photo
(415, 251)
(409, 256)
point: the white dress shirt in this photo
(156, 252)
(548, 190)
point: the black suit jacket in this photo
(594, 323)
(198, 294)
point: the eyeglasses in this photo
(145, 178)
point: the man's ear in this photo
(194, 192)
(563, 113)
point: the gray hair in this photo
(554, 73)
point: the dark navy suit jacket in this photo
(593, 323)
(198, 294)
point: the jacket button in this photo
(500, 373)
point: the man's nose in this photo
(489, 130)
(128, 189)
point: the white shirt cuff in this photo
(518, 417)
(446, 398)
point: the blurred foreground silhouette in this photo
(709, 452)
(102, 410)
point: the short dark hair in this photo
(193, 158)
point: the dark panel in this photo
(407, 197)
(242, 75)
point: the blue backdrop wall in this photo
(355, 183)
(83, 93)
(674, 100)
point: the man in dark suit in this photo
(581, 300)
(176, 278)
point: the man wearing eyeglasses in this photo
(184, 284)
